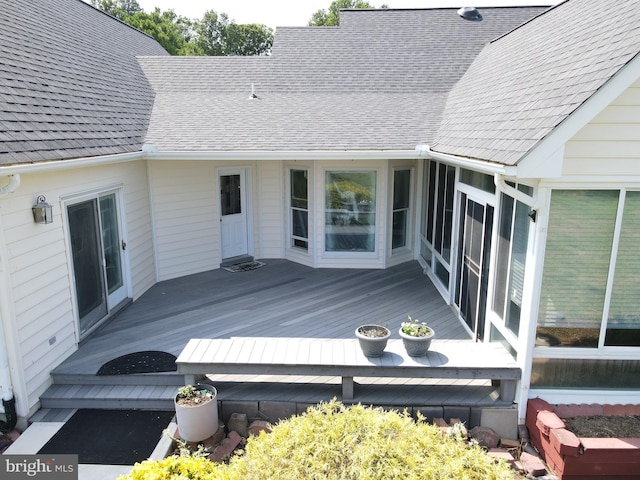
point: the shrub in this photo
(331, 441)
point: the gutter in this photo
(252, 155)
(465, 162)
(498, 171)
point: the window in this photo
(401, 200)
(437, 226)
(513, 235)
(299, 209)
(350, 211)
(623, 322)
(576, 267)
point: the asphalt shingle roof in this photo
(70, 85)
(379, 81)
(521, 86)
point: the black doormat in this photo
(140, 362)
(244, 267)
(109, 437)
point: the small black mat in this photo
(140, 362)
(109, 437)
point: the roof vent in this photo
(470, 13)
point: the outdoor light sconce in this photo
(42, 211)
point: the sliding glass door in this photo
(96, 251)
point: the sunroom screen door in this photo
(473, 262)
(233, 219)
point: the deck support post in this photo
(347, 388)
(508, 390)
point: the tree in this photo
(331, 17)
(214, 34)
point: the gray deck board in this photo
(281, 299)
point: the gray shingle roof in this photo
(70, 85)
(379, 81)
(526, 83)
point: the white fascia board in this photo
(69, 164)
(250, 155)
(550, 146)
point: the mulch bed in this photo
(604, 426)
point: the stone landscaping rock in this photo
(503, 454)
(238, 422)
(485, 436)
(258, 426)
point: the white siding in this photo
(186, 223)
(610, 144)
(270, 210)
(44, 323)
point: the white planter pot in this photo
(198, 422)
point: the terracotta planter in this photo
(372, 345)
(198, 422)
(416, 346)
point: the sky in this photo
(289, 13)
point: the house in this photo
(501, 154)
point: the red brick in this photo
(226, 448)
(619, 410)
(532, 464)
(564, 411)
(501, 453)
(546, 421)
(565, 442)
(589, 410)
(536, 405)
(440, 422)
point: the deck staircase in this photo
(146, 391)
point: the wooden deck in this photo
(281, 299)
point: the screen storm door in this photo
(96, 251)
(233, 216)
(474, 247)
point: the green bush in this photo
(331, 441)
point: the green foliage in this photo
(189, 391)
(331, 17)
(415, 329)
(214, 34)
(332, 441)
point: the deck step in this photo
(168, 378)
(105, 396)
(52, 415)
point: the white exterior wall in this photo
(270, 220)
(42, 329)
(185, 212)
(610, 144)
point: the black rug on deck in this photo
(140, 362)
(109, 437)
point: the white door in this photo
(233, 213)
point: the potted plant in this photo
(416, 337)
(196, 412)
(372, 339)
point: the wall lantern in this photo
(42, 211)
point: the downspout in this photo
(14, 183)
(6, 388)
(502, 186)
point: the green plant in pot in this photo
(416, 337)
(372, 339)
(196, 412)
